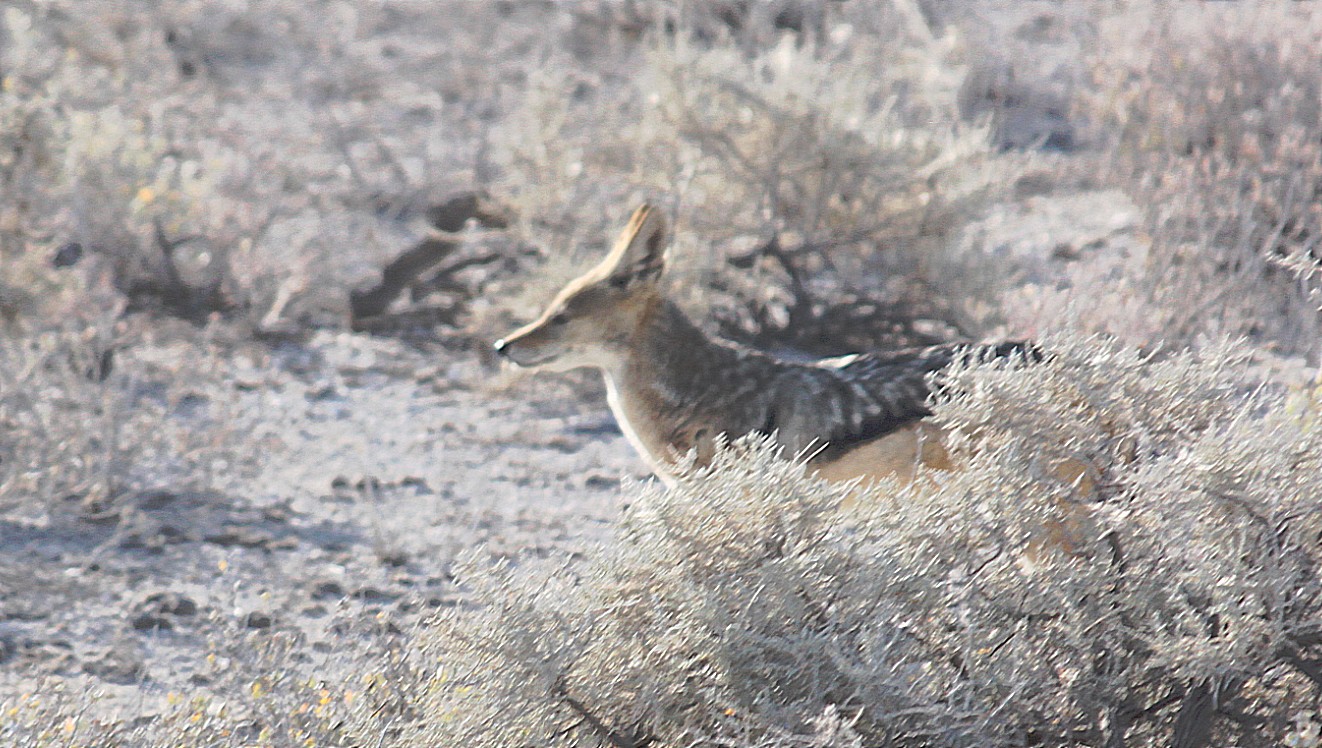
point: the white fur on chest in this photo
(626, 420)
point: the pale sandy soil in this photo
(379, 465)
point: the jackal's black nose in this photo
(500, 347)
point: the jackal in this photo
(673, 389)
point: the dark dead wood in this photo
(811, 322)
(1310, 668)
(403, 272)
(1307, 636)
(1122, 717)
(452, 214)
(168, 289)
(415, 323)
(444, 280)
(1202, 704)
(611, 736)
(399, 274)
(1193, 723)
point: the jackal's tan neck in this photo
(675, 361)
(676, 388)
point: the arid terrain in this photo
(263, 482)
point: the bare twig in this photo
(610, 735)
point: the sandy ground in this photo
(380, 463)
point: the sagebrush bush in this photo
(814, 165)
(175, 144)
(252, 697)
(87, 418)
(999, 604)
(1210, 122)
(96, 165)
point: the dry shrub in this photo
(1004, 605)
(1208, 116)
(1194, 568)
(60, 423)
(98, 165)
(814, 164)
(257, 151)
(180, 146)
(252, 697)
(88, 418)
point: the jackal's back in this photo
(681, 388)
(836, 404)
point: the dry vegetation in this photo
(1007, 607)
(193, 189)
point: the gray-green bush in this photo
(820, 166)
(1002, 605)
(1210, 124)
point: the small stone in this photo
(327, 589)
(257, 620)
(154, 612)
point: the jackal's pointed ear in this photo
(639, 254)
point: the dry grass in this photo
(89, 422)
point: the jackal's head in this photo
(596, 319)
